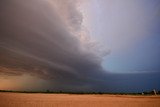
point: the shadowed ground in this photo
(73, 100)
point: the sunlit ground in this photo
(73, 100)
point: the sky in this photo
(80, 45)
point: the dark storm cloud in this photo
(34, 40)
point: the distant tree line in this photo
(70, 92)
(151, 92)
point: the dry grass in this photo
(67, 100)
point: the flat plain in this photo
(76, 100)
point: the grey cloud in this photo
(34, 40)
(69, 13)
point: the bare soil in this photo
(73, 100)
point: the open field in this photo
(73, 100)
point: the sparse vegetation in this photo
(70, 92)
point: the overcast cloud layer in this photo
(42, 38)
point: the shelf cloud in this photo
(35, 40)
